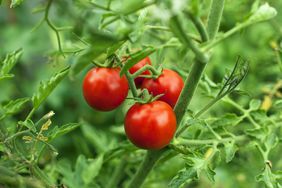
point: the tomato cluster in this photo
(150, 125)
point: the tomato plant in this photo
(212, 118)
(104, 89)
(169, 83)
(150, 126)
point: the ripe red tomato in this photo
(168, 83)
(150, 126)
(146, 61)
(104, 89)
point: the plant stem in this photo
(52, 26)
(199, 25)
(188, 90)
(214, 17)
(224, 36)
(131, 84)
(15, 135)
(145, 167)
(154, 72)
(183, 141)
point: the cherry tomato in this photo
(168, 83)
(104, 89)
(146, 61)
(150, 126)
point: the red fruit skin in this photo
(146, 61)
(168, 83)
(104, 89)
(150, 126)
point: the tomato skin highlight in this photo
(150, 126)
(104, 89)
(146, 61)
(168, 83)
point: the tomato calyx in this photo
(112, 61)
(145, 97)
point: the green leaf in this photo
(9, 62)
(92, 170)
(255, 104)
(182, 177)
(259, 134)
(135, 58)
(260, 117)
(226, 121)
(43, 176)
(97, 138)
(210, 173)
(271, 141)
(15, 106)
(194, 166)
(230, 149)
(47, 87)
(84, 172)
(268, 178)
(62, 130)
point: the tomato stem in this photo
(131, 83)
(199, 26)
(146, 166)
(214, 17)
(155, 73)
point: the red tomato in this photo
(168, 83)
(150, 126)
(146, 61)
(104, 89)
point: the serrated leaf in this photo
(92, 170)
(268, 178)
(260, 116)
(9, 62)
(135, 58)
(47, 87)
(96, 137)
(226, 120)
(15, 106)
(59, 131)
(230, 149)
(271, 141)
(210, 173)
(182, 177)
(42, 176)
(84, 172)
(260, 133)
